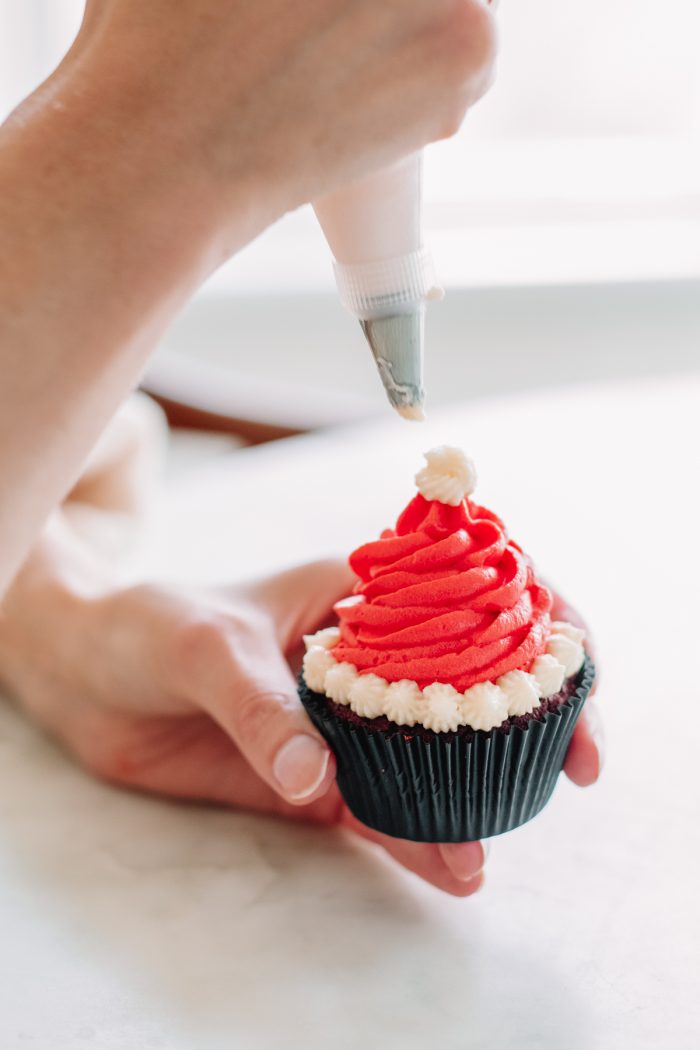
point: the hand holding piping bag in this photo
(384, 272)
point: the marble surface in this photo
(134, 923)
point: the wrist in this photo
(61, 572)
(42, 613)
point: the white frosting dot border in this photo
(439, 706)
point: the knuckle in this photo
(468, 36)
(197, 643)
(451, 125)
(257, 714)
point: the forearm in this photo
(102, 241)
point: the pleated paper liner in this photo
(444, 787)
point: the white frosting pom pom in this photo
(484, 706)
(567, 652)
(443, 712)
(403, 702)
(549, 674)
(576, 634)
(448, 477)
(326, 638)
(367, 695)
(317, 664)
(339, 681)
(521, 692)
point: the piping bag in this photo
(384, 273)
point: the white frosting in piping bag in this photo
(439, 706)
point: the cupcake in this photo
(446, 691)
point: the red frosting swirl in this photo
(443, 597)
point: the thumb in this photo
(245, 685)
(300, 600)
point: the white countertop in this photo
(130, 923)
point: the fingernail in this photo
(465, 859)
(300, 766)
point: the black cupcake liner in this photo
(447, 787)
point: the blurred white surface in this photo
(305, 350)
(129, 922)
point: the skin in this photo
(189, 694)
(169, 137)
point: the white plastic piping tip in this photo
(397, 345)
